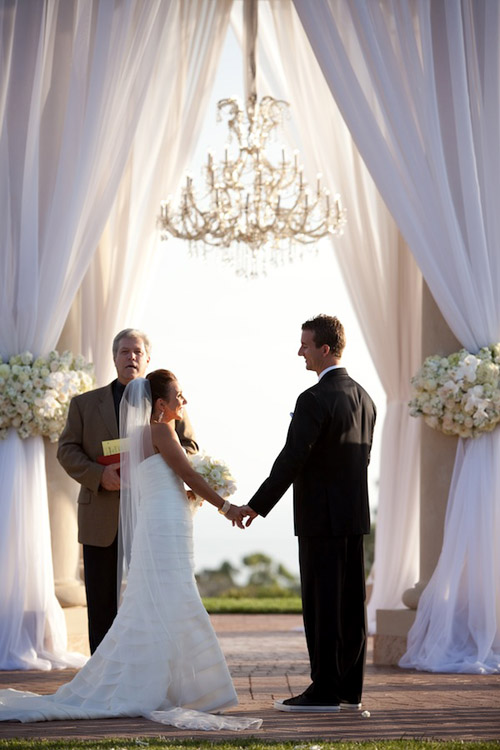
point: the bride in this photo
(161, 658)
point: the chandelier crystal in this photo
(255, 204)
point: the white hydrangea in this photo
(35, 394)
(459, 394)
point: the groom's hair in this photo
(160, 382)
(327, 330)
(131, 333)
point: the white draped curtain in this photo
(172, 114)
(73, 76)
(384, 284)
(430, 137)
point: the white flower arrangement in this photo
(215, 472)
(35, 393)
(459, 394)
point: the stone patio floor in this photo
(267, 658)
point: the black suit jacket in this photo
(326, 456)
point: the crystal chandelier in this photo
(254, 198)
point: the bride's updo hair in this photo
(160, 382)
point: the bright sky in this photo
(233, 345)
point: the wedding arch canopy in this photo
(417, 84)
(382, 279)
(76, 86)
(429, 137)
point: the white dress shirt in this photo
(327, 369)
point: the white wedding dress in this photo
(161, 658)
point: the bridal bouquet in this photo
(215, 472)
(459, 394)
(35, 393)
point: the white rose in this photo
(466, 370)
(450, 387)
(448, 423)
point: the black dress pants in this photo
(100, 570)
(333, 600)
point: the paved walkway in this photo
(267, 658)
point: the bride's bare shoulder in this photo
(164, 433)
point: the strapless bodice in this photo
(157, 476)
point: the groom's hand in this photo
(248, 513)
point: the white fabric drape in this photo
(383, 282)
(73, 75)
(171, 117)
(430, 141)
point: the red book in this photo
(106, 460)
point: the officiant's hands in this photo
(110, 479)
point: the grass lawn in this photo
(280, 605)
(161, 743)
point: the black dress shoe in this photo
(305, 704)
(346, 706)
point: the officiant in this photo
(92, 421)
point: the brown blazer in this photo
(92, 419)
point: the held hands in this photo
(248, 513)
(236, 514)
(110, 479)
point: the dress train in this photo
(161, 658)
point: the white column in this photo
(62, 493)
(436, 467)
(437, 456)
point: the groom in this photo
(326, 456)
(92, 419)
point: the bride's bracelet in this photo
(225, 507)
